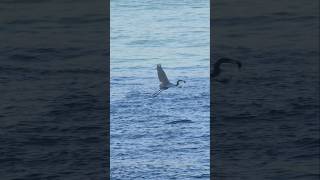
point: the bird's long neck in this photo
(179, 82)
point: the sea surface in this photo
(266, 121)
(168, 136)
(53, 63)
(53, 90)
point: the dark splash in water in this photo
(180, 121)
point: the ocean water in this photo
(53, 104)
(168, 136)
(266, 121)
(53, 82)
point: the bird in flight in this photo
(164, 82)
(217, 70)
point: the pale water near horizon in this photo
(166, 137)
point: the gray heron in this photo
(164, 81)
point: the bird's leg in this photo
(155, 94)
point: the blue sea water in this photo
(53, 83)
(266, 121)
(168, 136)
(53, 126)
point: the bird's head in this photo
(178, 82)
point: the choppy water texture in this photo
(266, 123)
(166, 137)
(53, 103)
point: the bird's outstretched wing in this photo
(162, 75)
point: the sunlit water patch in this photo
(163, 137)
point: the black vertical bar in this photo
(211, 92)
(108, 91)
(265, 121)
(54, 86)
